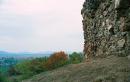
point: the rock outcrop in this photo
(106, 25)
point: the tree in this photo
(56, 60)
(76, 57)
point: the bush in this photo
(56, 60)
(38, 65)
(12, 71)
(3, 78)
(75, 58)
(28, 68)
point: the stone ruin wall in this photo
(106, 25)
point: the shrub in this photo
(75, 58)
(28, 68)
(3, 78)
(12, 71)
(38, 65)
(23, 67)
(56, 60)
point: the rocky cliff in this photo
(106, 25)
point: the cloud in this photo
(40, 6)
(40, 25)
(15, 26)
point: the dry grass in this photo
(110, 69)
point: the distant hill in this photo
(3, 52)
(6, 54)
(25, 54)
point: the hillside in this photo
(110, 69)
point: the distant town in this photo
(7, 61)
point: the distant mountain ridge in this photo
(25, 54)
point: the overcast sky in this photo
(41, 25)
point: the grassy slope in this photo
(110, 69)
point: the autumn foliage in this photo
(56, 60)
(27, 68)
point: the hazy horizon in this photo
(41, 25)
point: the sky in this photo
(41, 25)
